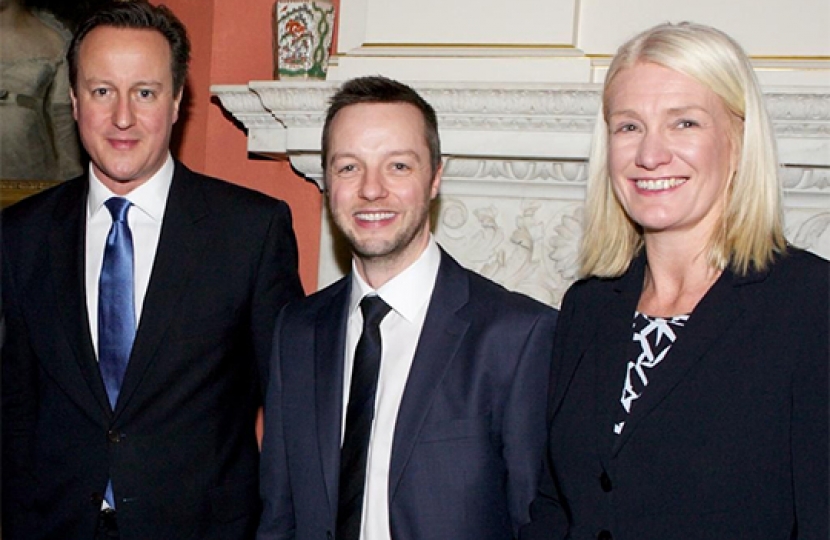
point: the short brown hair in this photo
(377, 89)
(136, 14)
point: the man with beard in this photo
(408, 399)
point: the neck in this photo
(377, 271)
(677, 276)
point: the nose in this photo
(123, 116)
(653, 151)
(372, 185)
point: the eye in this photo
(146, 94)
(100, 92)
(400, 166)
(625, 128)
(345, 169)
(683, 124)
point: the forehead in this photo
(362, 120)
(124, 46)
(656, 87)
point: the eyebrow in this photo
(95, 80)
(149, 83)
(387, 155)
(671, 111)
(412, 153)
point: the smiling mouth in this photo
(123, 143)
(659, 184)
(374, 216)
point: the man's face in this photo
(124, 104)
(380, 182)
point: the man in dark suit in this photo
(130, 360)
(407, 400)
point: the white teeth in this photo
(658, 184)
(375, 216)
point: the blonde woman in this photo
(691, 384)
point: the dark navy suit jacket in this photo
(730, 438)
(180, 445)
(471, 427)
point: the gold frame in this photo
(12, 191)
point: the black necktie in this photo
(359, 416)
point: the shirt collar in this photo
(150, 197)
(397, 292)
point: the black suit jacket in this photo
(180, 446)
(469, 433)
(730, 438)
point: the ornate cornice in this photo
(538, 122)
(801, 113)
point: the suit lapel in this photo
(67, 264)
(442, 333)
(177, 256)
(613, 319)
(329, 344)
(711, 318)
(610, 353)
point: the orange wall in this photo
(231, 44)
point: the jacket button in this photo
(605, 482)
(114, 437)
(605, 535)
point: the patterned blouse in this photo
(653, 338)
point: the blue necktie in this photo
(359, 417)
(116, 307)
(116, 311)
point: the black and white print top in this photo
(653, 338)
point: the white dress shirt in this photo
(145, 217)
(408, 295)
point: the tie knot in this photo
(118, 207)
(374, 310)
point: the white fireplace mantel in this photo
(515, 161)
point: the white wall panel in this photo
(780, 28)
(527, 22)
(503, 40)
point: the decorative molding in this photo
(515, 164)
(544, 121)
(800, 180)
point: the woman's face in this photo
(671, 150)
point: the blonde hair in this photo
(751, 230)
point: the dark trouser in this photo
(107, 526)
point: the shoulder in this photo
(227, 196)
(801, 261)
(237, 206)
(795, 271)
(488, 299)
(590, 291)
(500, 297)
(62, 35)
(325, 301)
(37, 209)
